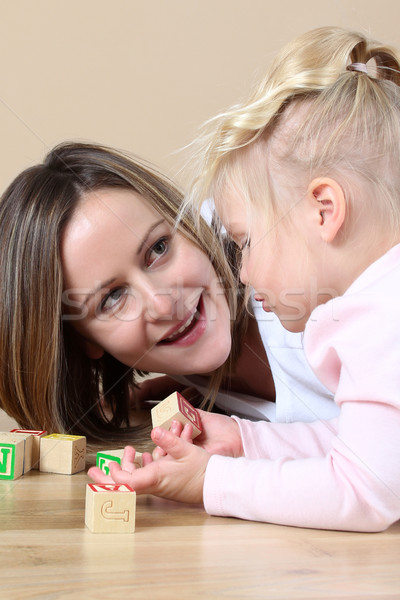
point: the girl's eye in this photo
(156, 251)
(111, 300)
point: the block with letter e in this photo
(62, 453)
(110, 508)
(15, 454)
(103, 459)
(176, 407)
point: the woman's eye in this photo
(111, 300)
(156, 251)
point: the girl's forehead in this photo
(229, 203)
(234, 212)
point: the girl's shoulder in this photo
(355, 338)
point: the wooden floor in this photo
(178, 551)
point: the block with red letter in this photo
(110, 508)
(37, 434)
(62, 453)
(15, 454)
(176, 407)
(103, 458)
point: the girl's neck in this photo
(357, 257)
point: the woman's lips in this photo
(181, 330)
(190, 330)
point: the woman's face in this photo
(139, 291)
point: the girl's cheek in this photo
(243, 274)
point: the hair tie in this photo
(360, 67)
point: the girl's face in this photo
(139, 291)
(276, 261)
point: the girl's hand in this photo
(220, 435)
(185, 432)
(127, 464)
(179, 475)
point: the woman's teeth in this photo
(178, 332)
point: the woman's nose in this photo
(161, 304)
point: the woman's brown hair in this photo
(46, 379)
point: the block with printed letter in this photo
(62, 453)
(176, 407)
(11, 459)
(15, 454)
(103, 458)
(110, 508)
(37, 434)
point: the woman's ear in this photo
(329, 200)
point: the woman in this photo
(99, 286)
(53, 373)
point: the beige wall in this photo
(142, 75)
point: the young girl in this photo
(97, 284)
(306, 181)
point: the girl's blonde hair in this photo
(349, 126)
(46, 379)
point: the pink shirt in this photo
(339, 474)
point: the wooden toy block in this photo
(61, 453)
(176, 407)
(35, 443)
(103, 458)
(110, 508)
(11, 459)
(15, 454)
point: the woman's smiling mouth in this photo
(190, 330)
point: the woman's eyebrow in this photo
(108, 282)
(147, 234)
(94, 291)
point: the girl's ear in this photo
(329, 200)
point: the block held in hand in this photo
(176, 407)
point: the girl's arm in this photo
(351, 480)
(342, 475)
(353, 487)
